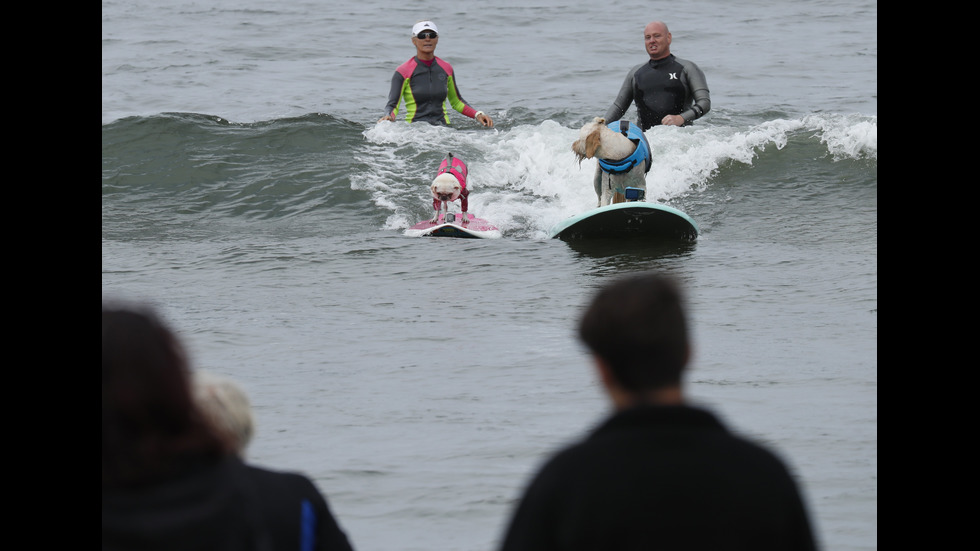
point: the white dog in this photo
(449, 185)
(623, 153)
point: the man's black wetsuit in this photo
(668, 86)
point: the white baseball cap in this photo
(424, 26)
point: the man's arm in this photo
(623, 99)
(697, 85)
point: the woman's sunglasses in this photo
(428, 34)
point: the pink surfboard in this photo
(455, 224)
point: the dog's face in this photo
(598, 140)
(589, 139)
(446, 187)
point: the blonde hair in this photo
(226, 406)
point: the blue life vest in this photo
(641, 153)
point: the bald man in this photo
(667, 90)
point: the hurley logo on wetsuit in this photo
(673, 76)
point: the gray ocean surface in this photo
(248, 193)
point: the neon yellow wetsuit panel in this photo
(425, 89)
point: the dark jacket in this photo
(665, 478)
(229, 506)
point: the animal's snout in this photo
(445, 187)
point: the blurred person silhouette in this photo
(657, 473)
(170, 480)
(226, 406)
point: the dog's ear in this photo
(600, 120)
(592, 143)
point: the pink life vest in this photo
(457, 168)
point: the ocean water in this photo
(249, 194)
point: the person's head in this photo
(226, 406)
(656, 38)
(425, 36)
(151, 426)
(636, 329)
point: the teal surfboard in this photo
(630, 219)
